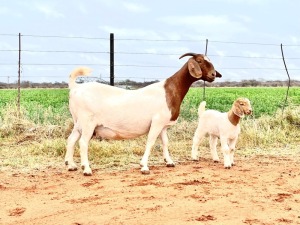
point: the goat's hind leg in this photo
(165, 142)
(72, 139)
(84, 144)
(198, 136)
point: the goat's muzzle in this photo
(218, 74)
(211, 77)
(248, 112)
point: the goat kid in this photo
(115, 113)
(220, 125)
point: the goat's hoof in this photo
(216, 161)
(227, 167)
(145, 172)
(87, 174)
(72, 169)
(170, 165)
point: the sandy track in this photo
(260, 190)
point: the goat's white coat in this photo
(115, 113)
(217, 125)
(127, 114)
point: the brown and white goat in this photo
(115, 113)
(223, 125)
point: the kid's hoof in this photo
(87, 174)
(170, 165)
(145, 172)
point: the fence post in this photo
(112, 56)
(204, 81)
(289, 79)
(19, 76)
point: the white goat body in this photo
(223, 125)
(217, 124)
(127, 113)
(115, 113)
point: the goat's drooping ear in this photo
(194, 68)
(237, 110)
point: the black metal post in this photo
(112, 59)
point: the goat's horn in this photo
(188, 54)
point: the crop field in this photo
(263, 187)
(51, 105)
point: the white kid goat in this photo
(115, 113)
(223, 125)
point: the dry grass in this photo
(26, 145)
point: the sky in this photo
(243, 38)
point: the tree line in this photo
(130, 84)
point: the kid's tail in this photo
(201, 108)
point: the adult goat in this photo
(115, 113)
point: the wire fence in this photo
(51, 58)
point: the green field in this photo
(265, 100)
(40, 132)
(42, 105)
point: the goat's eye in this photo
(241, 103)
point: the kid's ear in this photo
(237, 110)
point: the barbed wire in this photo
(138, 66)
(53, 51)
(142, 53)
(154, 40)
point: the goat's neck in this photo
(176, 88)
(233, 118)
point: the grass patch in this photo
(25, 144)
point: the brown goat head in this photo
(200, 67)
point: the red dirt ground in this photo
(260, 190)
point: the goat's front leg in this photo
(213, 141)
(232, 144)
(152, 136)
(72, 139)
(165, 142)
(226, 152)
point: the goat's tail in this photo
(201, 108)
(81, 71)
